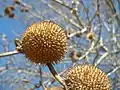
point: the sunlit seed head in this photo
(44, 42)
(87, 77)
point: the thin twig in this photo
(9, 53)
(100, 21)
(100, 28)
(76, 14)
(77, 32)
(101, 58)
(86, 11)
(113, 71)
(63, 15)
(93, 17)
(41, 78)
(63, 4)
(56, 76)
(87, 53)
(114, 12)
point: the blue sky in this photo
(8, 25)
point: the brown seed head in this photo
(12, 7)
(17, 2)
(11, 15)
(91, 36)
(9, 9)
(44, 42)
(86, 77)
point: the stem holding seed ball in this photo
(9, 53)
(56, 76)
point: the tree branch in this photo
(9, 53)
(56, 76)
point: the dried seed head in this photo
(9, 9)
(91, 36)
(17, 2)
(86, 77)
(11, 15)
(44, 42)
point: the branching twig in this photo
(114, 12)
(100, 29)
(76, 14)
(100, 21)
(77, 32)
(101, 58)
(86, 11)
(75, 10)
(114, 70)
(41, 78)
(87, 52)
(63, 4)
(63, 15)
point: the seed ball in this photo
(87, 77)
(44, 42)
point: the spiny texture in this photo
(87, 77)
(44, 42)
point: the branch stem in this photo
(56, 76)
(9, 53)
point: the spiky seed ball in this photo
(44, 42)
(87, 77)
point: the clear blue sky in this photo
(7, 25)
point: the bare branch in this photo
(114, 12)
(9, 53)
(57, 77)
(113, 71)
(63, 15)
(101, 58)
